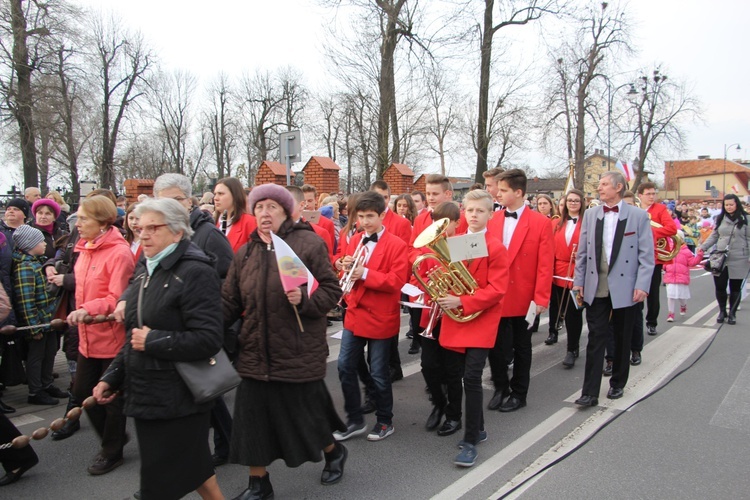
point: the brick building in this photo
(323, 173)
(420, 184)
(136, 187)
(272, 172)
(705, 178)
(400, 178)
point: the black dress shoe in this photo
(731, 319)
(219, 460)
(103, 465)
(587, 401)
(651, 329)
(334, 468)
(722, 316)
(615, 393)
(496, 401)
(42, 398)
(608, 369)
(635, 358)
(433, 421)
(552, 339)
(396, 374)
(570, 360)
(67, 430)
(13, 476)
(368, 407)
(259, 488)
(512, 404)
(449, 427)
(6, 409)
(56, 392)
(414, 347)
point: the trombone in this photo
(565, 300)
(346, 282)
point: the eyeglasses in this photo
(151, 229)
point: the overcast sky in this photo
(696, 40)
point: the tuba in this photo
(666, 248)
(446, 276)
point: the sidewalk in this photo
(16, 396)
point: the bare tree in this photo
(512, 13)
(657, 115)
(172, 96)
(221, 125)
(571, 106)
(123, 62)
(444, 117)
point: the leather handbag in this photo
(717, 259)
(207, 379)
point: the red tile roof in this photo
(674, 170)
(402, 169)
(276, 167)
(325, 162)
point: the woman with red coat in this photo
(566, 232)
(231, 214)
(102, 271)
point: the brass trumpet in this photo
(664, 251)
(446, 276)
(360, 256)
(565, 299)
(435, 313)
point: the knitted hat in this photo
(273, 192)
(26, 237)
(326, 211)
(52, 204)
(20, 204)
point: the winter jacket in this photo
(102, 272)
(678, 272)
(182, 305)
(50, 238)
(7, 231)
(271, 345)
(211, 240)
(32, 303)
(738, 259)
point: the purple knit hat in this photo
(52, 204)
(273, 192)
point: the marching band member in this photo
(615, 246)
(659, 214)
(372, 316)
(566, 233)
(527, 235)
(490, 185)
(475, 338)
(441, 366)
(392, 221)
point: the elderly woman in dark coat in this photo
(179, 320)
(283, 408)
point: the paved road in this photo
(691, 440)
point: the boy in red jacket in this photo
(476, 337)
(373, 316)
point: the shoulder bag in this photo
(717, 259)
(208, 378)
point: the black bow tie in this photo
(368, 239)
(613, 209)
(511, 214)
(574, 219)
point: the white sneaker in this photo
(352, 430)
(380, 431)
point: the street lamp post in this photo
(724, 179)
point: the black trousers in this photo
(735, 291)
(40, 360)
(474, 361)
(512, 333)
(108, 420)
(441, 366)
(573, 316)
(598, 318)
(13, 458)
(652, 301)
(556, 299)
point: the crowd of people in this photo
(174, 278)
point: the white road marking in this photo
(496, 462)
(25, 420)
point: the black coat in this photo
(211, 240)
(182, 306)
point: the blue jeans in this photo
(352, 350)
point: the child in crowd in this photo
(34, 306)
(677, 278)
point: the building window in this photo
(604, 163)
(708, 185)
